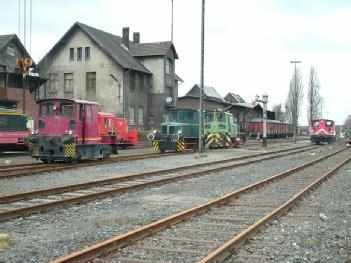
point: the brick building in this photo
(12, 93)
(128, 78)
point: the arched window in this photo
(169, 66)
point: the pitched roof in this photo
(112, 45)
(208, 91)
(236, 97)
(11, 62)
(151, 49)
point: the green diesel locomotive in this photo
(220, 130)
(178, 133)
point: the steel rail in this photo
(122, 240)
(101, 194)
(59, 167)
(224, 251)
(79, 186)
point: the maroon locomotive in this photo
(69, 130)
(13, 130)
(275, 129)
(322, 130)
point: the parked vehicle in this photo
(220, 130)
(275, 129)
(73, 130)
(322, 130)
(13, 130)
(179, 132)
(109, 124)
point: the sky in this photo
(248, 44)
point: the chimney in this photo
(125, 35)
(136, 37)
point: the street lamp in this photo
(294, 119)
(264, 100)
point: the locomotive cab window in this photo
(219, 117)
(67, 109)
(328, 123)
(315, 124)
(174, 116)
(190, 116)
(47, 109)
(208, 117)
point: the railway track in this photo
(21, 204)
(27, 169)
(229, 220)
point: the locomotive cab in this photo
(179, 132)
(67, 130)
(220, 130)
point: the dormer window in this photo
(10, 51)
(169, 66)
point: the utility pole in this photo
(172, 24)
(201, 119)
(295, 84)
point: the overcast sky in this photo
(248, 44)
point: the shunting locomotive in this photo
(322, 130)
(67, 129)
(13, 130)
(179, 132)
(220, 130)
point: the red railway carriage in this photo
(275, 128)
(109, 125)
(67, 129)
(13, 130)
(322, 130)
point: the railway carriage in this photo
(220, 130)
(322, 130)
(275, 129)
(67, 129)
(179, 132)
(13, 130)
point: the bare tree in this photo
(294, 100)
(279, 112)
(313, 96)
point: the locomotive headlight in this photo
(70, 132)
(33, 132)
(36, 132)
(179, 132)
(154, 131)
(150, 136)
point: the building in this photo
(128, 78)
(242, 112)
(14, 92)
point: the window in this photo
(190, 115)
(91, 81)
(88, 113)
(68, 82)
(71, 54)
(208, 117)
(219, 117)
(141, 116)
(169, 65)
(328, 124)
(315, 124)
(79, 53)
(46, 109)
(10, 51)
(52, 83)
(67, 109)
(174, 116)
(131, 112)
(87, 53)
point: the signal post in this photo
(264, 100)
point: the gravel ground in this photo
(55, 179)
(318, 229)
(41, 237)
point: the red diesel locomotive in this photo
(13, 130)
(71, 130)
(322, 130)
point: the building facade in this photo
(14, 91)
(130, 79)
